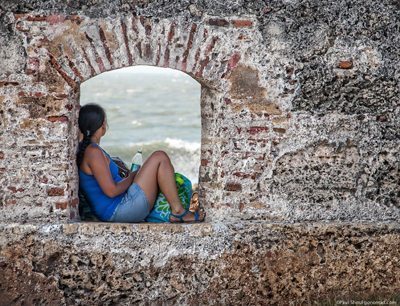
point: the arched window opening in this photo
(150, 108)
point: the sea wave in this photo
(182, 144)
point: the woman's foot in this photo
(189, 217)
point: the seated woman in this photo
(129, 199)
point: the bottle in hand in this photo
(137, 161)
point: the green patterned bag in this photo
(161, 210)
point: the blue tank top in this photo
(102, 205)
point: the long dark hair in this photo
(91, 117)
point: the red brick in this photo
(204, 162)
(189, 45)
(243, 37)
(205, 34)
(57, 118)
(99, 60)
(233, 187)
(279, 130)
(36, 18)
(75, 202)
(15, 189)
(55, 191)
(219, 22)
(232, 63)
(64, 75)
(126, 41)
(19, 16)
(203, 64)
(105, 45)
(38, 94)
(211, 46)
(166, 57)
(11, 202)
(242, 23)
(345, 64)
(147, 51)
(54, 19)
(12, 188)
(31, 94)
(171, 32)
(257, 129)
(196, 59)
(246, 175)
(74, 68)
(62, 205)
(139, 48)
(147, 29)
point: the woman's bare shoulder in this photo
(93, 151)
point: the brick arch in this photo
(80, 48)
(221, 54)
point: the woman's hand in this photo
(97, 162)
(132, 175)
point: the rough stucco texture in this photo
(251, 263)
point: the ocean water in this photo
(152, 108)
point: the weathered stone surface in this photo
(278, 81)
(212, 263)
(12, 51)
(245, 84)
(319, 34)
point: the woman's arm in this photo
(101, 171)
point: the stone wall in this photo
(300, 129)
(299, 106)
(251, 263)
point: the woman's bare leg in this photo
(158, 172)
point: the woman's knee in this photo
(160, 155)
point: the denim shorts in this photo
(134, 206)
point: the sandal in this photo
(181, 220)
